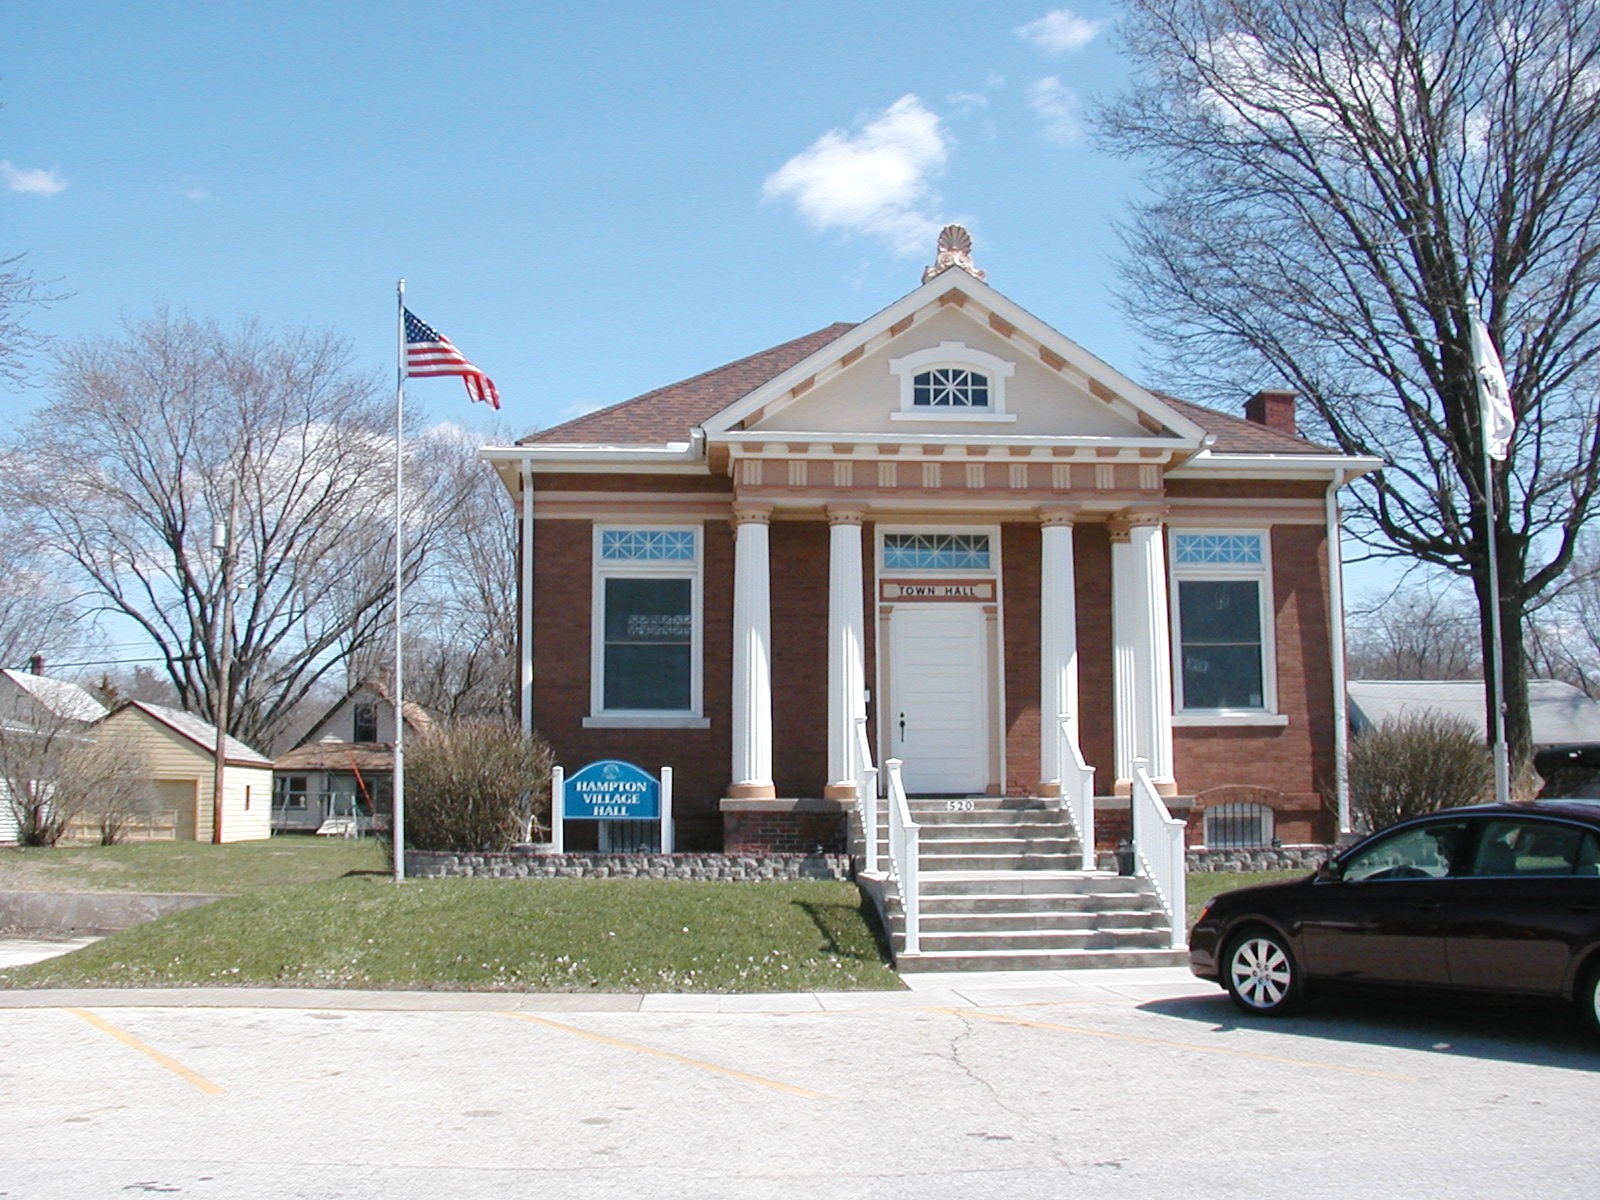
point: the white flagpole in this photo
(1495, 422)
(397, 828)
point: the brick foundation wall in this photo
(784, 832)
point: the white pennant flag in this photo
(1494, 397)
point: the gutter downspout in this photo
(1341, 708)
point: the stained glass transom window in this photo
(647, 545)
(1231, 549)
(950, 387)
(936, 551)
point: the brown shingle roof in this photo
(1235, 435)
(669, 413)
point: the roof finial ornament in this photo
(955, 250)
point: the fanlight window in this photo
(950, 387)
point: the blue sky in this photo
(591, 201)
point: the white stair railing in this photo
(1158, 848)
(867, 795)
(904, 838)
(1077, 790)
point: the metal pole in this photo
(1502, 762)
(397, 824)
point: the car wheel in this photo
(1260, 973)
(1589, 998)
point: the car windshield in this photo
(1420, 852)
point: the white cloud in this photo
(33, 181)
(875, 182)
(1057, 108)
(1060, 31)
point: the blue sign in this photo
(612, 791)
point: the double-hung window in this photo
(646, 625)
(1222, 622)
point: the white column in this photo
(847, 667)
(1142, 635)
(752, 653)
(1058, 644)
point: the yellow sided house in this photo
(179, 750)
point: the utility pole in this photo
(222, 543)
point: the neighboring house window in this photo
(1222, 622)
(1238, 826)
(647, 627)
(952, 381)
(366, 723)
(291, 791)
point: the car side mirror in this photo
(1329, 872)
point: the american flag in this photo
(429, 352)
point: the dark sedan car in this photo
(1495, 899)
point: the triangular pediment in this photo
(1043, 386)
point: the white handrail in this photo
(867, 795)
(904, 839)
(1158, 846)
(1077, 790)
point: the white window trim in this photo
(964, 357)
(1260, 573)
(668, 718)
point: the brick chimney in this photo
(1273, 408)
(36, 664)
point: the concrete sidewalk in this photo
(944, 989)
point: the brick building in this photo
(951, 521)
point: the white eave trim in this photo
(1277, 466)
(741, 442)
(674, 456)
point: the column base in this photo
(1164, 787)
(752, 791)
(1047, 789)
(840, 791)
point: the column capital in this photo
(1056, 514)
(1125, 522)
(749, 512)
(845, 514)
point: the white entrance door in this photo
(939, 698)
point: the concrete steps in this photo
(1000, 891)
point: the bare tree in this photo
(1412, 633)
(19, 291)
(461, 630)
(56, 775)
(38, 614)
(1339, 185)
(160, 439)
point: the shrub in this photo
(1415, 765)
(476, 785)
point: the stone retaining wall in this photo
(541, 864)
(1266, 858)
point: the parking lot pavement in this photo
(1140, 1083)
(17, 951)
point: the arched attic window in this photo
(952, 382)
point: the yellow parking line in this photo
(1170, 1045)
(127, 1039)
(743, 1077)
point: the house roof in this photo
(57, 696)
(201, 732)
(330, 754)
(1561, 714)
(668, 413)
(418, 719)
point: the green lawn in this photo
(188, 866)
(1205, 884)
(498, 935)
